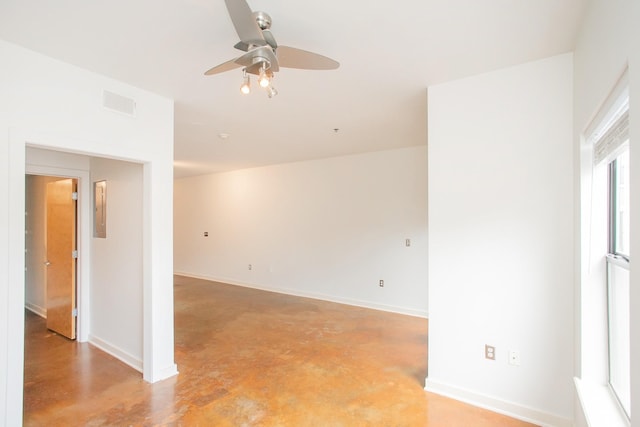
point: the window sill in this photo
(599, 406)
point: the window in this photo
(618, 278)
(604, 382)
(609, 238)
(619, 204)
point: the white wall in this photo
(53, 105)
(501, 239)
(327, 228)
(607, 43)
(116, 273)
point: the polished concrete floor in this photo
(250, 358)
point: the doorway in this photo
(51, 251)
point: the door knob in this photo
(47, 263)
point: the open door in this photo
(61, 257)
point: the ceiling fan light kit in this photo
(264, 79)
(263, 56)
(246, 83)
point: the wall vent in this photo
(118, 103)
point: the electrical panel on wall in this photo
(100, 209)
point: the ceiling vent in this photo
(118, 103)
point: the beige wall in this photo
(116, 273)
(329, 228)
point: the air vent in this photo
(118, 103)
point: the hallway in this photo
(250, 358)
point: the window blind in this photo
(613, 138)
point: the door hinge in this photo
(74, 254)
(74, 195)
(74, 312)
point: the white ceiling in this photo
(389, 52)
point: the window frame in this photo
(614, 259)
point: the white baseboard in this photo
(36, 309)
(163, 374)
(500, 406)
(116, 352)
(331, 298)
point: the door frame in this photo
(158, 335)
(83, 238)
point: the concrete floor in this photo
(250, 358)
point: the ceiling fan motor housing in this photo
(263, 19)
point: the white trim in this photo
(16, 292)
(599, 406)
(166, 372)
(286, 291)
(500, 406)
(155, 338)
(116, 352)
(36, 309)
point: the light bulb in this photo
(264, 79)
(246, 85)
(271, 91)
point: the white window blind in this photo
(609, 129)
(614, 137)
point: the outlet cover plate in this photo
(514, 357)
(489, 352)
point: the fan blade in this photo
(245, 23)
(242, 46)
(290, 57)
(225, 66)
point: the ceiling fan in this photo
(263, 56)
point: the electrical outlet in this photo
(407, 242)
(489, 352)
(514, 357)
(381, 284)
(206, 234)
(250, 267)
